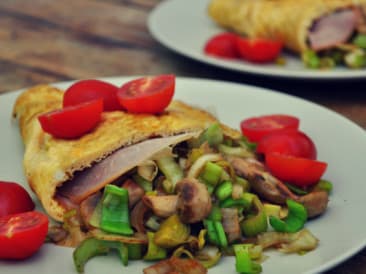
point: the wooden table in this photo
(44, 41)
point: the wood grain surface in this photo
(43, 41)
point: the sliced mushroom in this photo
(194, 201)
(162, 206)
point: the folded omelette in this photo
(55, 168)
(300, 24)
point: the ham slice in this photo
(333, 29)
(109, 169)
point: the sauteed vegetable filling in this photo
(192, 203)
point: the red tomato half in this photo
(256, 127)
(259, 50)
(222, 45)
(14, 199)
(88, 90)
(289, 142)
(147, 95)
(297, 171)
(74, 121)
(22, 234)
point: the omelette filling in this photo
(337, 38)
(194, 199)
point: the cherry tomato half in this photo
(73, 121)
(259, 50)
(147, 95)
(14, 199)
(289, 142)
(256, 127)
(88, 90)
(222, 45)
(295, 170)
(22, 234)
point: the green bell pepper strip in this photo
(92, 247)
(213, 135)
(115, 214)
(243, 262)
(215, 233)
(253, 225)
(224, 190)
(295, 220)
(211, 173)
(154, 252)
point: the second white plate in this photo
(184, 27)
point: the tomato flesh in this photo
(14, 199)
(255, 128)
(22, 234)
(73, 121)
(295, 170)
(89, 90)
(222, 45)
(289, 142)
(147, 95)
(259, 50)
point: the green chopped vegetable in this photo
(310, 59)
(230, 202)
(211, 173)
(92, 247)
(297, 190)
(115, 214)
(213, 135)
(134, 251)
(255, 224)
(324, 185)
(327, 62)
(215, 214)
(170, 169)
(294, 221)
(360, 41)
(355, 58)
(172, 232)
(243, 261)
(215, 233)
(154, 252)
(235, 151)
(145, 184)
(224, 190)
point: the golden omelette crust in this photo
(48, 161)
(288, 20)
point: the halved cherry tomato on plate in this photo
(295, 170)
(73, 121)
(289, 142)
(259, 49)
(255, 128)
(148, 94)
(222, 45)
(22, 234)
(88, 90)
(14, 199)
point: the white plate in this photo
(340, 143)
(184, 27)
